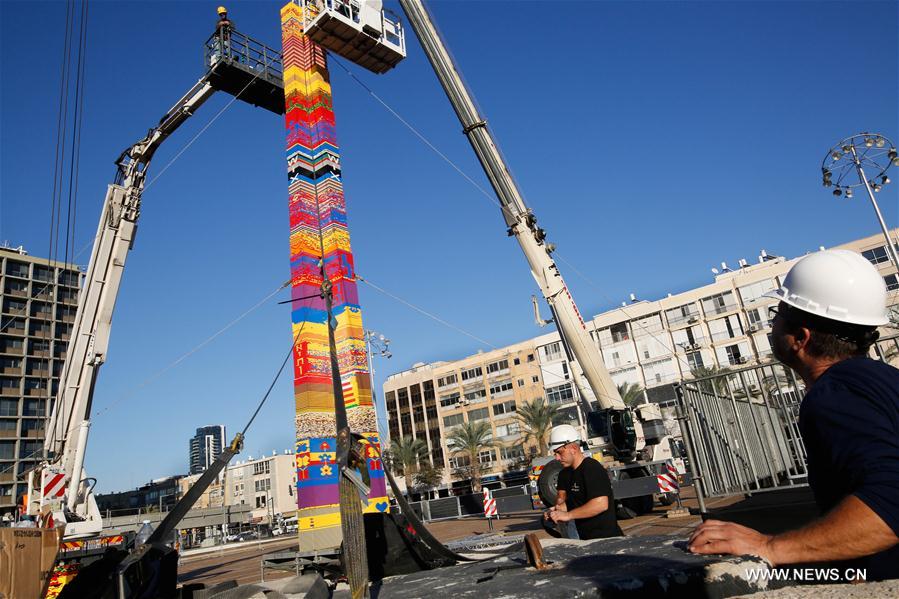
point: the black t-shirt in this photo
(588, 481)
(850, 425)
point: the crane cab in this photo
(359, 30)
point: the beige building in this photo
(267, 483)
(38, 300)
(428, 400)
(654, 344)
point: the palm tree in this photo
(718, 384)
(631, 393)
(537, 419)
(470, 439)
(407, 453)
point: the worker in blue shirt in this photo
(831, 303)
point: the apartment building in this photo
(429, 400)
(205, 446)
(267, 483)
(653, 344)
(38, 300)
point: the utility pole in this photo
(379, 342)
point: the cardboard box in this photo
(26, 559)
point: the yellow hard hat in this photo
(221, 10)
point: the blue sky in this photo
(652, 139)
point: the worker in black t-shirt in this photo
(584, 489)
(831, 303)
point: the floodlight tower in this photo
(862, 149)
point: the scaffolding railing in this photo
(741, 427)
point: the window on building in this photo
(892, 282)
(447, 380)
(694, 359)
(450, 400)
(535, 379)
(682, 314)
(507, 430)
(260, 501)
(551, 352)
(507, 407)
(752, 292)
(876, 255)
(517, 361)
(459, 461)
(431, 412)
(454, 420)
(530, 357)
(7, 450)
(476, 396)
(559, 394)
(512, 453)
(472, 373)
(619, 332)
(501, 389)
(733, 354)
(498, 366)
(479, 414)
(719, 303)
(488, 456)
(9, 407)
(35, 407)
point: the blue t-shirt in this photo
(850, 425)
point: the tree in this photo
(537, 419)
(407, 453)
(714, 379)
(428, 476)
(470, 439)
(631, 393)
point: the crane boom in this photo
(520, 219)
(69, 423)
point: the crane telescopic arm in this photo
(520, 219)
(69, 422)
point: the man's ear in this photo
(802, 336)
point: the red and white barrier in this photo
(489, 504)
(668, 479)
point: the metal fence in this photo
(741, 428)
(510, 499)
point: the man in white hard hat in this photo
(584, 489)
(831, 304)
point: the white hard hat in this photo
(837, 284)
(563, 435)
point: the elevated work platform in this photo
(359, 30)
(243, 67)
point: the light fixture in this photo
(869, 142)
(836, 155)
(838, 192)
(848, 193)
(876, 188)
(884, 180)
(896, 161)
(879, 142)
(846, 147)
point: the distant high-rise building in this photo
(38, 301)
(205, 447)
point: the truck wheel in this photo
(546, 483)
(638, 505)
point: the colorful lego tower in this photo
(318, 231)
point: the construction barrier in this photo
(510, 499)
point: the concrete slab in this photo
(620, 567)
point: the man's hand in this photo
(557, 515)
(715, 536)
(548, 514)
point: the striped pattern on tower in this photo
(318, 219)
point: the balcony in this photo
(728, 307)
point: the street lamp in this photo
(375, 341)
(853, 154)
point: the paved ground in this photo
(241, 561)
